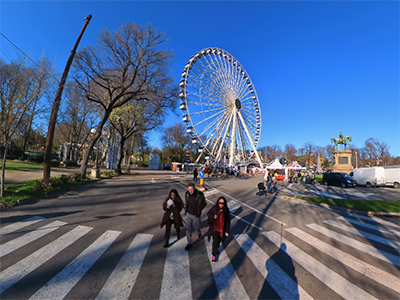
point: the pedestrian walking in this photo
(274, 182)
(219, 221)
(194, 204)
(269, 183)
(172, 206)
(195, 173)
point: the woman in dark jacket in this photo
(172, 206)
(219, 220)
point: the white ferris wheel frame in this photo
(220, 106)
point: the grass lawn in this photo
(22, 166)
(33, 189)
(362, 205)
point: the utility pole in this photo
(56, 105)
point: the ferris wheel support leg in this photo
(250, 139)
(217, 159)
(232, 150)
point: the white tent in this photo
(275, 164)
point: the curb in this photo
(347, 210)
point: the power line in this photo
(51, 75)
(19, 49)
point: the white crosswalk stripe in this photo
(63, 282)
(176, 280)
(365, 234)
(28, 238)
(368, 270)
(370, 226)
(19, 225)
(371, 250)
(227, 281)
(176, 273)
(282, 283)
(334, 281)
(127, 270)
(25, 266)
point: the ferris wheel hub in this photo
(238, 104)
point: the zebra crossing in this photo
(341, 233)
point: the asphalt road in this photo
(109, 246)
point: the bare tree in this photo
(375, 152)
(126, 65)
(175, 141)
(289, 152)
(78, 117)
(15, 102)
(271, 152)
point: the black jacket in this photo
(175, 210)
(200, 202)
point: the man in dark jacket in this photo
(194, 204)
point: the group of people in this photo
(218, 218)
(271, 179)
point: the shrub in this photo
(76, 176)
(71, 163)
(55, 163)
(36, 159)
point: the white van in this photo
(392, 176)
(369, 177)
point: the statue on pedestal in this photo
(343, 140)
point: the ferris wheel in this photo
(220, 107)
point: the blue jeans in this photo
(268, 186)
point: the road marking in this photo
(18, 225)
(365, 234)
(212, 192)
(385, 256)
(256, 210)
(25, 266)
(226, 280)
(364, 268)
(333, 280)
(370, 226)
(376, 220)
(176, 282)
(379, 221)
(233, 206)
(29, 237)
(121, 281)
(60, 285)
(283, 284)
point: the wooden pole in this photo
(56, 105)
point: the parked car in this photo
(338, 179)
(369, 177)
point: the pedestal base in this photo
(342, 161)
(95, 173)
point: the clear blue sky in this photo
(319, 67)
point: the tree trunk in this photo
(3, 170)
(130, 153)
(120, 156)
(97, 135)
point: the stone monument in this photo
(342, 158)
